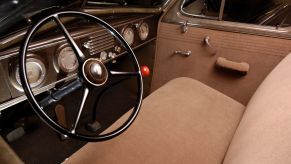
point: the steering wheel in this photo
(92, 73)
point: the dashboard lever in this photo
(60, 93)
(184, 53)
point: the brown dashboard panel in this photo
(261, 53)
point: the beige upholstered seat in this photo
(188, 122)
(264, 134)
(183, 122)
(7, 155)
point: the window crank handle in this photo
(207, 41)
(208, 44)
(184, 53)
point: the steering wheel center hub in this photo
(95, 72)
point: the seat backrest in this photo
(264, 133)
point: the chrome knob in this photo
(117, 49)
(87, 45)
(103, 55)
(111, 55)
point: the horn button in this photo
(95, 72)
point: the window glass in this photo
(201, 8)
(263, 12)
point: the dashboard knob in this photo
(112, 55)
(87, 45)
(103, 55)
(117, 49)
(145, 71)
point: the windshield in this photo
(14, 12)
(17, 7)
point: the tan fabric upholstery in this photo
(182, 122)
(264, 134)
(7, 155)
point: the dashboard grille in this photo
(99, 42)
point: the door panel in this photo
(262, 53)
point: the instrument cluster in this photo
(58, 62)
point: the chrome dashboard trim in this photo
(121, 10)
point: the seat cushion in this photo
(7, 155)
(184, 121)
(264, 134)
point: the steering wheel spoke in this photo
(77, 119)
(80, 55)
(123, 74)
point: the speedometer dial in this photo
(67, 60)
(36, 72)
(143, 31)
(128, 35)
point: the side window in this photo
(262, 12)
(201, 8)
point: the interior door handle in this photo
(184, 53)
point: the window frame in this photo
(220, 17)
(217, 23)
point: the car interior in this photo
(150, 81)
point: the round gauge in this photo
(128, 35)
(36, 72)
(143, 31)
(67, 60)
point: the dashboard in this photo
(51, 61)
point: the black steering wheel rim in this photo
(35, 104)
